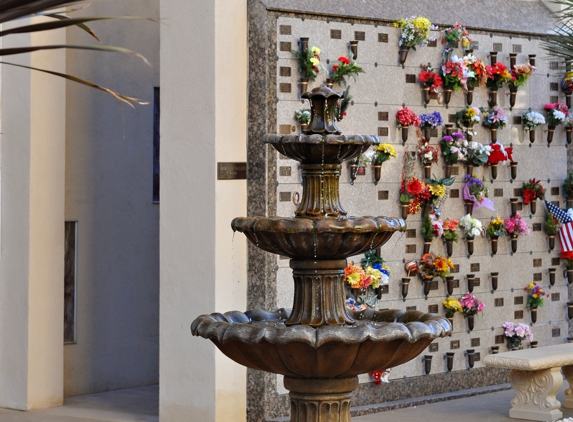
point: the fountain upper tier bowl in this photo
(260, 340)
(318, 238)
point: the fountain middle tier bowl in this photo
(318, 238)
(260, 340)
(321, 149)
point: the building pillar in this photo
(202, 266)
(32, 227)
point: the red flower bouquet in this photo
(430, 79)
(532, 190)
(497, 75)
(406, 117)
(499, 154)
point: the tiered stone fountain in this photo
(320, 346)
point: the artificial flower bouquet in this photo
(475, 190)
(415, 31)
(454, 73)
(551, 224)
(532, 119)
(355, 305)
(432, 226)
(453, 35)
(309, 62)
(567, 83)
(432, 265)
(535, 295)
(374, 266)
(568, 186)
(471, 305)
(531, 190)
(496, 228)
(476, 71)
(382, 153)
(495, 118)
(497, 76)
(520, 74)
(406, 117)
(477, 153)
(430, 79)
(452, 305)
(345, 68)
(557, 113)
(302, 115)
(452, 148)
(516, 333)
(466, 118)
(516, 225)
(356, 277)
(427, 153)
(438, 190)
(342, 105)
(381, 376)
(471, 227)
(431, 120)
(414, 193)
(450, 229)
(499, 154)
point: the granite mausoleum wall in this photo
(378, 94)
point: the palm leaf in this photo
(123, 98)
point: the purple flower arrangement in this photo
(432, 120)
(495, 118)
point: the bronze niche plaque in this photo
(556, 332)
(497, 46)
(518, 315)
(382, 131)
(285, 30)
(477, 357)
(498, 302)
(285, 170)
(451, 118)
(517, 192)
(520, 204)
(555, 297)
(555, 190)
(382, 195)
(433, 133)
(383, 116)
(410, 248)
(555, 261)
(385, 289)
(553, 98)
(537, 277)
(433, 43)
(475, 342)
(536, 227)
(553, 86)
(456, 172)
(553, 65)
(555, 202)
(410, 79)
(285, 196)
(231, 171)
(410, 233)
(433, 348)
(537, 262)
(285, 88)
(498, 193)
(359, 36)
(516, 120)
(456, 283)
(499, 339)
(410, 308)
(285, 46)
(434, 285)
(477, 282)
(285, 71)
(456, 269)
(454, 344)
(433, 309)
(336, 34)
(382, 37)
(454, 193)
(474, 268)
(518, 300)
(516, 48)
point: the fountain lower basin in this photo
(318, 238)
(377, 340)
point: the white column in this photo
(32, 228)
(203, 121)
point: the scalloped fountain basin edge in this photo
(378, 340)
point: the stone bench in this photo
(536, 378)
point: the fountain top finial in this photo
(323, 102)
(322, 91)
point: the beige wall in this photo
(32, 242)
(109, 192)
(203, 269)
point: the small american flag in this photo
(566, 230)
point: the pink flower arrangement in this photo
(406, 117)
(557, 113)
(516, 225)
(471, 305)
(516, 333)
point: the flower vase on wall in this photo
(377, 167)
(550, 132)
(403, 54)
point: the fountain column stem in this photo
(320, 191)
(319, 400)
(319, 293)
